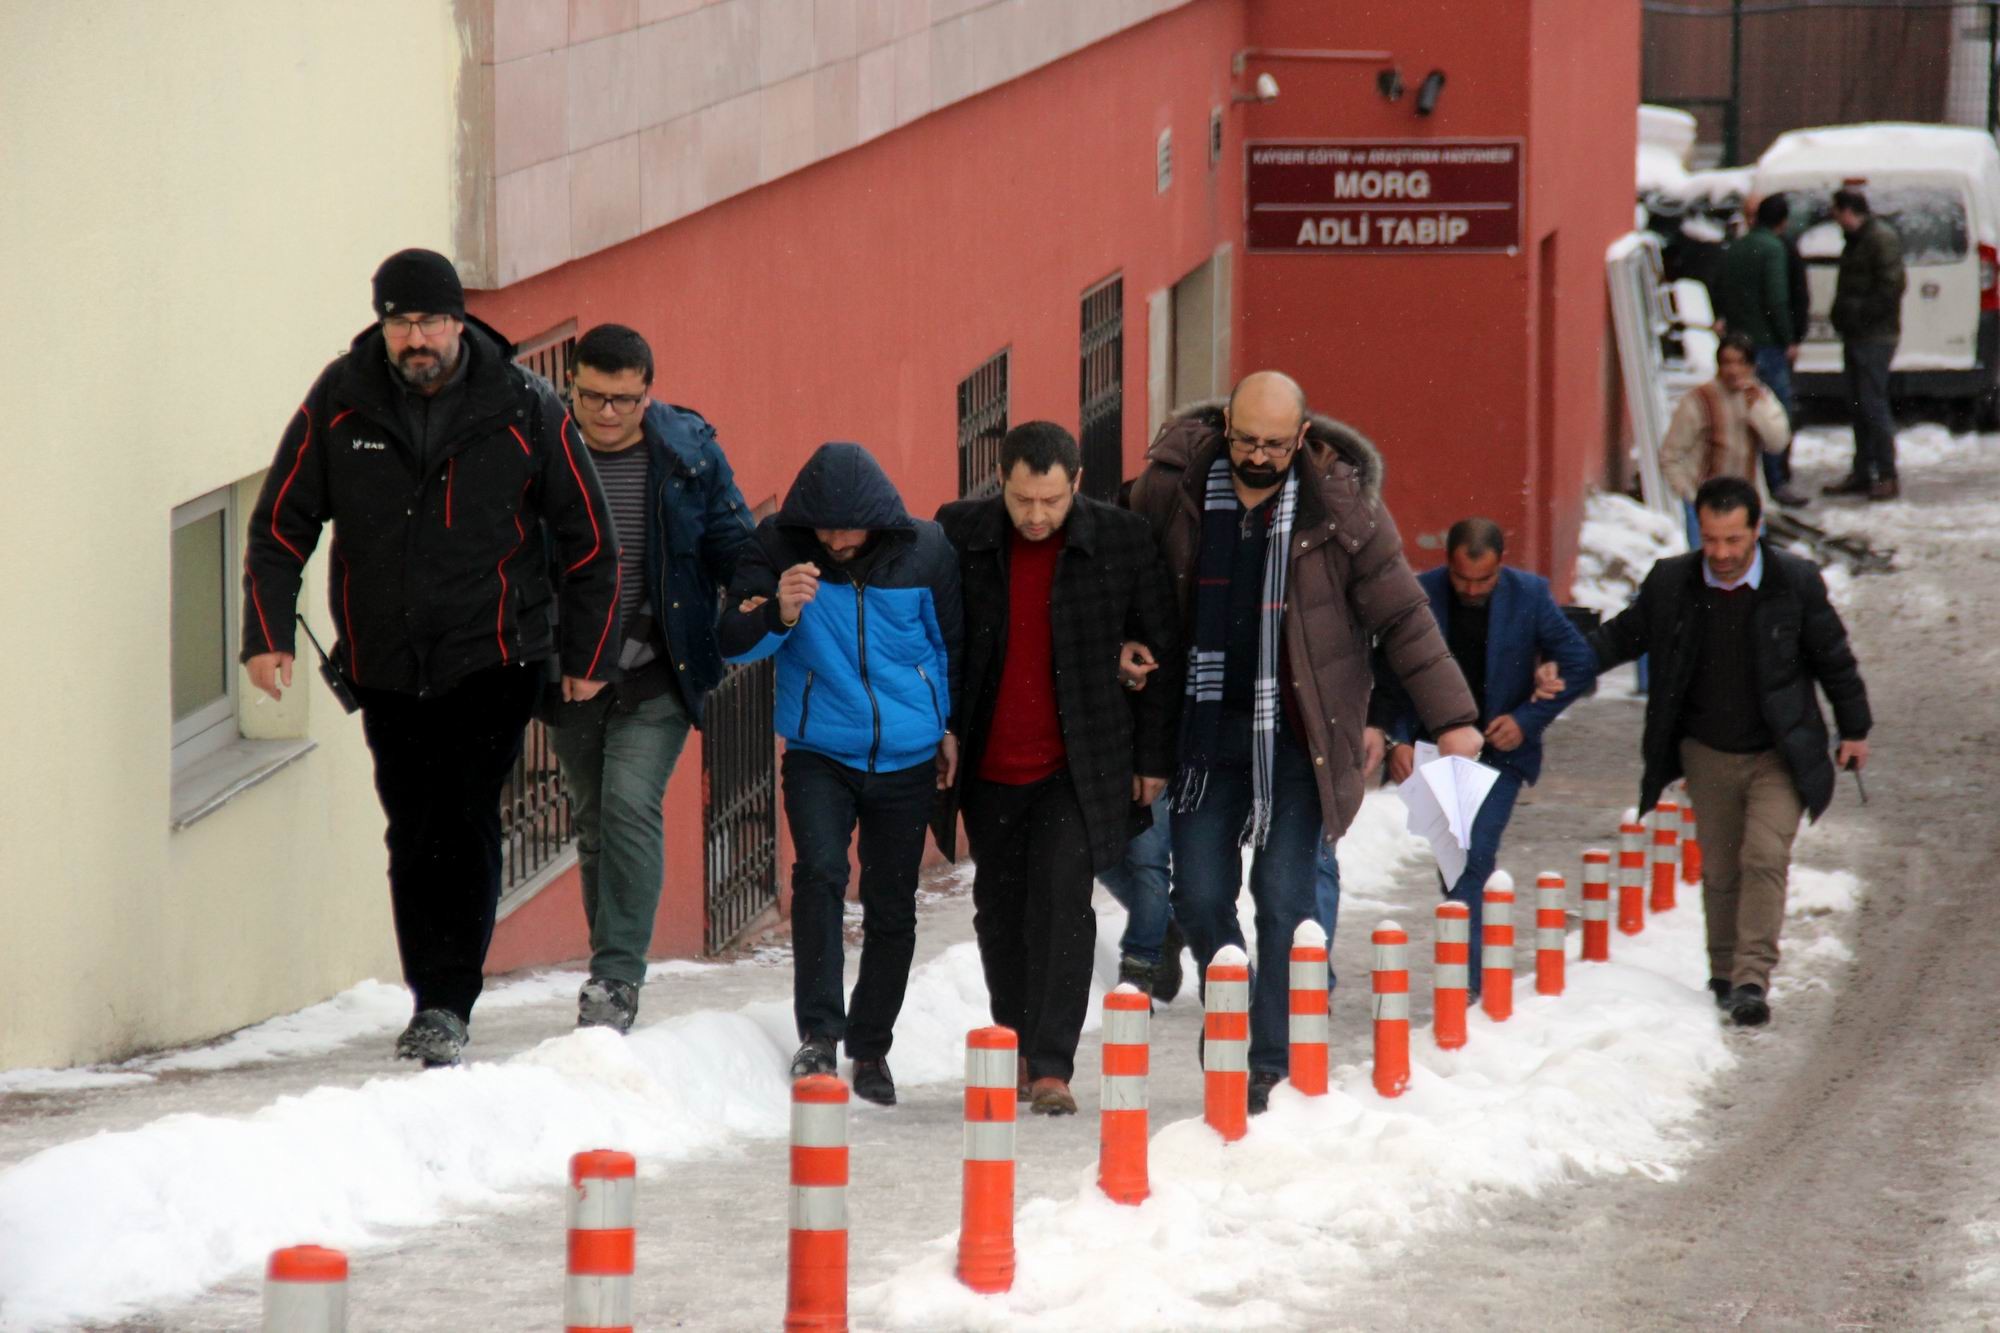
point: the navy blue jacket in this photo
(1522, 620)
(868, 674)
(696, 529)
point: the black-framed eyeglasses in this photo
(1274, 449)
(622, 403)
(429, 325)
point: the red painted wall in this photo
(848, 300)
(1443, 359)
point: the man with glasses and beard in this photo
(1286, 565)
(681, 524)
(455, 489)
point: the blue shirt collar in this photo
(1752, 577)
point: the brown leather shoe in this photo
(1885, 489)
(1051, 1096)
(1851, 484)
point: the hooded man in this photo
(860, 603)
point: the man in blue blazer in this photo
(1497, 621)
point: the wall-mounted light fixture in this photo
(1266, 91)
(1390, 84)
(1429, 91)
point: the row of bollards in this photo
(305, 1288)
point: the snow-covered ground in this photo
(1603, 1081)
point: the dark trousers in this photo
(825, 802)
(1208, 876)
(439, 766)
(1488, 827)
(1032, 915)
(1867, 368)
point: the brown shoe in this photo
(1885, 489)
(1052, 1097)
(1021, 1093)
(1851, 484)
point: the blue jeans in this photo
(616, 762)
(1488, 826)
(1208, 874)
(1326, 900)
(1775, 369)
(1141, 883)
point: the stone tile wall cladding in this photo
(587, 122)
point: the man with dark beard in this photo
(1286, 564)
(448, 473)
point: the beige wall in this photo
(195, 197)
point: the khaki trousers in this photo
(1749, 811)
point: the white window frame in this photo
(214, 725)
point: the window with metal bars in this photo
(1102, 389)
(739, 796)
(536, 835)
(982, 423)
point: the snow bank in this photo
(1621, 539)
(1601, 1081)
(1818, 892)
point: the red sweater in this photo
(1024, 744)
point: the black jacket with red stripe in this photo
(445, 565)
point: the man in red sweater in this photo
(1059, 763)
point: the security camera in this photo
(1389, 83)
(1428, 92)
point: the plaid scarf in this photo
(1201, 718)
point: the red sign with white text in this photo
(1383, 197)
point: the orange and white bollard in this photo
(1309, 1022)
(1451, 975)
(1551, 933)
(1690, 845)
(1596, 906)
(1666, 854)
(986, 1232)
(305, 1290)
(1225, 1055)
(1496, 970)
(602, 1249)
(1121, 1138)
(1631, 875)
(1392, 1009)
(816, 1281)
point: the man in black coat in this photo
(454, 484)
(1739, 633)
(1059, 762)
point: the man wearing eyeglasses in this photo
(1287, 565)
(681, 523)
(454, 490)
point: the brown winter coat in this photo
(1348, 585)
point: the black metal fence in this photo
(982, 423)
(1750, 69)
(534, 806)
(1102, 389)
(739, 783)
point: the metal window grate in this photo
(982, 423)
(535, 828)
(1102, 389)
(739, 783)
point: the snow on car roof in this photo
(1857, 148)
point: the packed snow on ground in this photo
(1817, 892)
(1599, 1081)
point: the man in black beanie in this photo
(466, 514)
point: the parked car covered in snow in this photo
(1939, 187)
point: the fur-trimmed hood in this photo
(1193, 427)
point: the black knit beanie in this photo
(420, 280)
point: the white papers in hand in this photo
(1443, 796)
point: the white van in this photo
(1939, 187)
